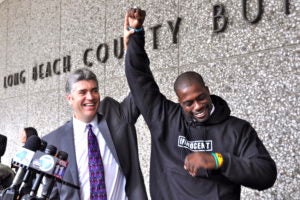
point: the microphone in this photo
(3, 142)
(43, 145)
(26, 185)
(22, 158)
(49, 181)
(49, 169)
(42, 163)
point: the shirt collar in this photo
(81, 126)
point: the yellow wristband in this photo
(220, 159)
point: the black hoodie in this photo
(174, 135)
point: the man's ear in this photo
(178, 98)
(69, 98)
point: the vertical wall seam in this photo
(6, 42)
(30, 38)
(105, 21)
(59, 89)
(178, 40)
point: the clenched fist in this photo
(134, 19)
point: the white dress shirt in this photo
(114, 179)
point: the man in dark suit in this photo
(113, 124)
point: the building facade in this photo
(248, 52)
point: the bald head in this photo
(187, 79)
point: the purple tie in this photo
(96, 168)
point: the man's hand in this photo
(195, 161)
(134, 19)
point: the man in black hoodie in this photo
(199, 151)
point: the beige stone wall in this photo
(255, 67)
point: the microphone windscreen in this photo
(33, 143)
(43, 145)
(62, 155)
(51, 150)
(3, 142)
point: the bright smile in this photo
(89, 105)
(201, 114)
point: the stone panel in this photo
(18, 41)
(44, 44)
(114, 31)
(13, 117)
(18, 38)
(3, 34)
(43, 111)
(166, 54)
(82, 27)
(199, 43)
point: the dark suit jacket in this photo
(116, 123)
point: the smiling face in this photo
(84, 100)
(195, 100)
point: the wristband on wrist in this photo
(135, 29)
(216, 160)
(220, 159)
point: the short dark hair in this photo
(30, 131)
(80, 75)
(188, 78)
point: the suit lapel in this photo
(68, 137)
(102, 125)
